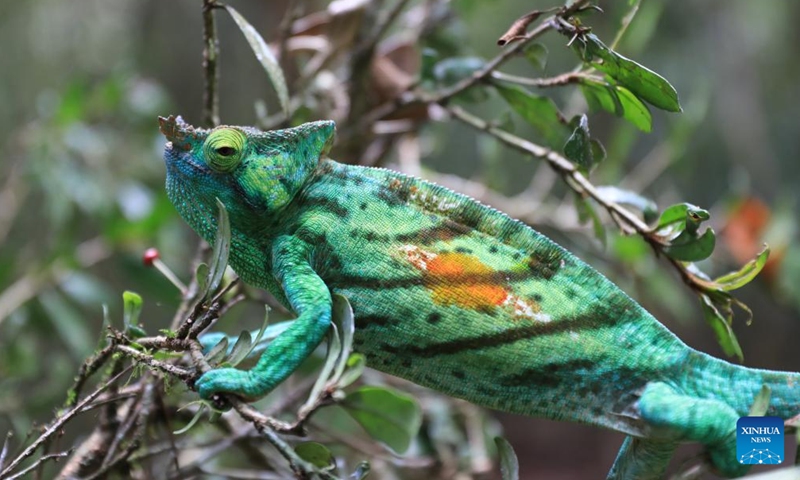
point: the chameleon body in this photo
(452, 295)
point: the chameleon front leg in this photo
(310, 299)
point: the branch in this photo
(59, 423)
(210, 71)
(577, 182)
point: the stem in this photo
(210, 71)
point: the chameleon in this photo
(452, 295)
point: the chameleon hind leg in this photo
(708, 421)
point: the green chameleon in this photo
(452, 295)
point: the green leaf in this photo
(598, 151)
(688, 247)
(617, 100)
(362, 471)
(194, 419)
(331, 360)
(342, 316)
(625, 197)
(509, 465)
(761, 402)
(578, 148)
(316, 454)
(536, 53)
(201, 274)
(641, 81)
(132, 307)
(355, 367)
(744, 275)
(241, 348)
(218, 352)
(389, 416)
(540, 112)
(219, 255)
(264, 56)
(452, 70)
(721, 325)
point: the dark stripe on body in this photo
(583, 323)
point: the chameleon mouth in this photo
(178, 132)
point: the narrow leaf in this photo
(201, 274)
(192, 422)
(219, 255)
(617, 100)
(643, 82)
(509, 465)
(722, 328)
(744, 275)
(355, 367)
(539, 112)
(334, 350)
(265, 56)
(389, 416)
(315, 453)
(761, 402)
(342, 315)
(218, 352)
(241, 348)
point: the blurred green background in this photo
(81, 175)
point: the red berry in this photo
(150, 255)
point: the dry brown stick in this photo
(58, 423)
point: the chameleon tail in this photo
(738, 386)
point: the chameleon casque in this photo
(452, 295)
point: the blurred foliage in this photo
(81, 185)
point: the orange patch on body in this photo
(463, 280)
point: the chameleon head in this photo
(254, 173)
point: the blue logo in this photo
(759, 440)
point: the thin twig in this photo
(557, 81)
(87, 369)
(40, 461)
(59, 422)
(151, 362)
(210, 70)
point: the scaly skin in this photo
(452, 295)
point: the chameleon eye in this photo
(223, 149)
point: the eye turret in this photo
(224, 149)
